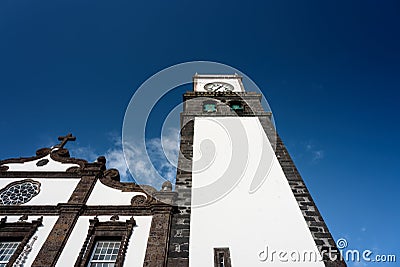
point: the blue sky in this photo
(329, 70)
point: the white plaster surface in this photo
(30, 166)
(105, 195)
(136, 251)
(246, 221)
(52, 190)
(201, 81)
(41, 233)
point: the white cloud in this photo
(316, 154)
(86, 153)
(115, 159)
(164, 153)
(162, 158)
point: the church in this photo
(234, 203)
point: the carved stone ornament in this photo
(166, 186)
(20, 192)
(42, 162)
(113, 174)
(114, 218)
(138, 200)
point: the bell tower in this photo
(240, 196)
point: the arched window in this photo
(236, 106)
(209, 106)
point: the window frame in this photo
(106, 231)
(14, 247)
(91, 261)
(21, 232)
(210, 102)
(226, 257)
(236, 103)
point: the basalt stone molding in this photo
(22, 231)
(140, 200)
(62, 155)
(157, 244)
(178, 251)
(40, 174)
(40, 153)
(37, 210)
(319, 230)
(111, 179)
(251, 102)
(4, 168)
(58, 154)
(112, 230)
(56, 240)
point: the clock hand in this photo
(219, 86)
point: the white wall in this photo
(41, 233)
(52, 190)
(52, 165)
(135, 254)
(105, 195)
(245, 220)
(200, 82)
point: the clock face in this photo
(218, 87)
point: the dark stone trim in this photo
(40, 153)
(57, 154)
(111, 179)
(251, 103)
(111, 230)
(231, 95)
(226, 254)
(21, 231)
(40, 174)
(122, 210)
(157, 243)
(318, 229)
(4, 168)
(30, 210)
(56, 240)
(83, 189)
(68, 215)
(178, 251)
(62, 155)
(47, 210)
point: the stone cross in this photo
(65, 139)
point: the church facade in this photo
(238, 210)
